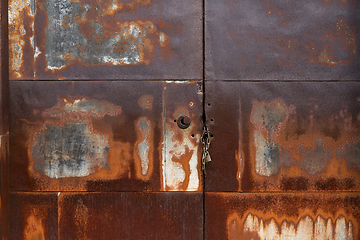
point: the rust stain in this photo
(144, 149)
(306, 227)
(81, 220)
(34, 229)
(146, 101)
(180, 156)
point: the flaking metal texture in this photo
(282, 216)
(34, 216)
(104, 136)
(130, 216)
(282, 40)
(108, 39)
(283, 136)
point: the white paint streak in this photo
(173, 170)
(261, 153)
(194, 181)
(306, 229)
(144, 147)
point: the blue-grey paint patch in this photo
(269, 156)
(115, 43)
(315, 161)
(69, 151)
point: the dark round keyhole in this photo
(183, 122)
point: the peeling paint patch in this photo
(34, 229)
(67, 146)
(255, 227)
(77, 32)
(71, 151)
(269, 119)
(181, 160)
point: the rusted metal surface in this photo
(4, 187)
(282, 216)
(268, 40)
(130, 216)
(34, 216)
(283, 136)
(138, 39)
(104, 136)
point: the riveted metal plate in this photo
(103, 136)
(130, 216)
(34, 216)
(282, 40)
(282, 216)
(137, 39)
(283, 136)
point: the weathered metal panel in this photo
(102, 40)
(283, 136)
(282, 216)
(182, 147)
(130, 216)
(34, 216)
(104, 136)
(270, 40)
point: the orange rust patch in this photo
(81, 219)
(21, 39)
(146, 101)
(34, 229)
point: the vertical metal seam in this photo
(204, 112)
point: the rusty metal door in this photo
(105, 119)
(282, 101)
(106, 112)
